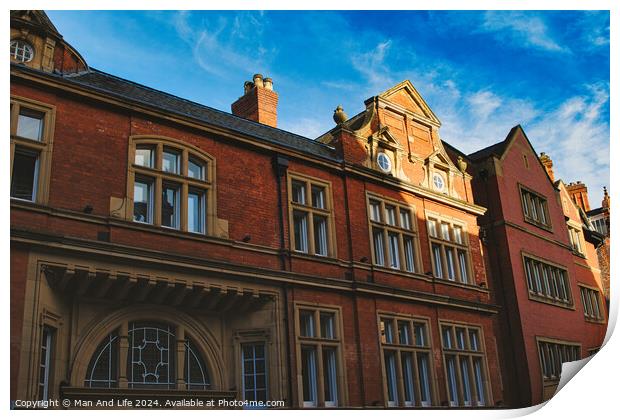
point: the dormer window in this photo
(384, 162)
(21, 51)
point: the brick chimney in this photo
(259, 102)
(548, 164)
(579, 193)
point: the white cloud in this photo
(576, 137)
(521, 28)
(226, 44)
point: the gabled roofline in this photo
(414, 93)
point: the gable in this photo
(405, 97)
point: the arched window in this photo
(171, 185)
(152, 354)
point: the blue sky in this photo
(480, 72)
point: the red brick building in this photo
(543, 264)
(162, 248)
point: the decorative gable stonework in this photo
(399, 124)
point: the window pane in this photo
(254, 373)
(318, 197)
(463, 266)
(309, 375)
(195, 212)
(465, 377)
(45, 363)
(330, 382)
(299, 192)
(306, 323)
(447, 337)
(25, 174)
(394, 252)
(425, 381)
(460, 338)
(409, 254)
(327, 325)
(377, 235)
(390, 215)
(151, 362)
(320, 235)
(142, 201)
(437, 260)
(195, 169)
(450, 262)
(445, 231)
(196, 373)
(170, 206)
(407, 367)
(375, 211)
(404, 333)
(420, 336)
(473, 340)
(145, 156)
(300, 226)
(171, 162)
(458, 234)
(390, 376)
(387, 333)
(30, 124)
(405, 219)
(432, 228)
(452, 385)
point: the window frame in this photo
(182, 180)
(468, 354)
(310, 213)
(550, 383)
(412, 349)
(525, 191)
(592, 293)
(47, 345)
(42, 149)
(464, 246)
(318, 343)
(541, 296)
(388, 231)
(575, 236)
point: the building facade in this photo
(163, 248)
(544, 265)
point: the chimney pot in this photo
(247, 86)
(258, 105)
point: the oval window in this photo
(384, 162)
(438, 182)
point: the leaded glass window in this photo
(151, 360)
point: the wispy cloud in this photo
(522, 29)
(576, 129)
(225, 43)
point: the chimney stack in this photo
(579, 193)
(259, 102)
(548, 164)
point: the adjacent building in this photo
(163, 248)
(542, 259)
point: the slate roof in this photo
(124, 89)
(496, 149)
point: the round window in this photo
(21, 51)
(438, 182)
(384, 162)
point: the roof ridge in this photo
(228, 114)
